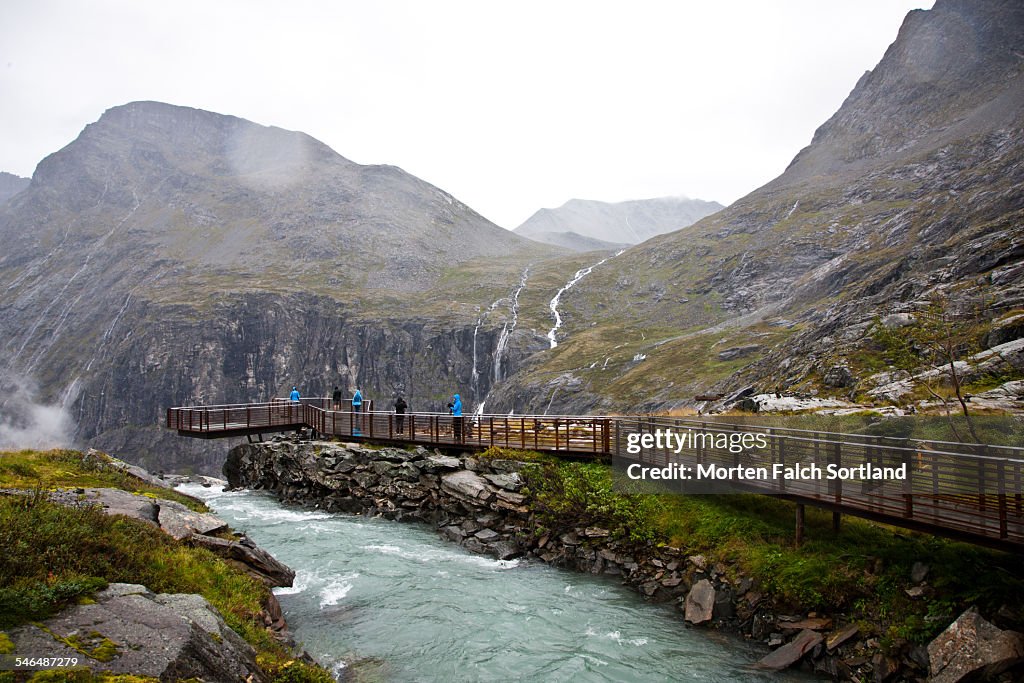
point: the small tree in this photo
(932, 350)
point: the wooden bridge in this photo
(963, 491)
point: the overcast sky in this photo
(510, 106)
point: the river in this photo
(395, 602)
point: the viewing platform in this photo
(964, 491)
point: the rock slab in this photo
(792, 652)
(130, 630)
(973, 647)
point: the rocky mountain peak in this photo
(935, 82)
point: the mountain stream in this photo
(395, 602)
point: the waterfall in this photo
(506, 332)
(580, 274)
(507, 328)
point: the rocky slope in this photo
(914, 188)
(171, 256)
(578, 222)
(11, 185)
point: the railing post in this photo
(799, 524)
(908, 486)
(837, 460)
(782, 457)
(1001, 497)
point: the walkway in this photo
(967, 492)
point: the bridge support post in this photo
(799, 524)
(837, 518)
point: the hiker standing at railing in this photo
(400, 407)
(336, 399)
(294, 396)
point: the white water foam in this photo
(337, 589)
(428, 555)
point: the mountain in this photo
(575, 241)
(913, 188)
(11, 185)
(170, 255)
(614, 224)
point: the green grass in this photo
(861, 572)
(52, 556)
(64, 468)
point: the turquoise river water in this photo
(397, 603)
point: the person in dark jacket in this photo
(336, 399)
(400, 407)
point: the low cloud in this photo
(26, 423)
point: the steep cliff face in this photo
(171, 255)
(256, 347)
(914, 187)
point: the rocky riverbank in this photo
(482, 504)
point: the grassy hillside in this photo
(52, 556)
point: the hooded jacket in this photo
(457, 406)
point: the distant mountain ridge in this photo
(613, 223)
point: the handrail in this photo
(975, 495)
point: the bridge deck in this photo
(963, 491)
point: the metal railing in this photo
(965, 490)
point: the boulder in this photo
(487, 535)
(509, 481)
(841, 636)
(972, 647)
(505, 550)
(118, 502)
(839, 377)
(792, 652)
(180, 522)
(700, 603)
(129, 630)
(466, 485)
(895, 321)
(738, 351)
(249, 557)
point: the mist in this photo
(27, 423)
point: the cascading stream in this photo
(580, 274)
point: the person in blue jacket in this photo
(357, 407)
(457, 418)
(294, 396)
